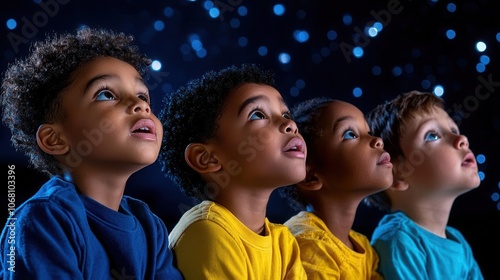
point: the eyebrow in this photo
(105, 77)
(253, 99)
(341, 120)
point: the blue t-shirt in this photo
(61, 234)
(408, 251)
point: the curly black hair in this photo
(190, 115)
(305, 115)
(31, 88)
(387, 121)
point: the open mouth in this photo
(144, 126)
(385, 158)
(469, 159)
(296, 147)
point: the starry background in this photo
(363, 52)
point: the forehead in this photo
(335, 110)
(249, 93)
(102, 66)
(414, 120)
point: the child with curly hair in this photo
(230, 141)
(432, 166)
(345, 163)
(79, 108)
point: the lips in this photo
(385, 158)
(296, 148)
(469, 160)
(145, 129)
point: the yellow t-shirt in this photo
(324, 256)
(209, 242)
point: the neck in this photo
(105, 187)
(432, 216)
(249, 207)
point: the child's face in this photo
(436, 155)
(257, 142)
(108, 119)
(346, 155)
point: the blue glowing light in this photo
(376, 70)
(438, 90)
(201, 53)
(156, 65)
(300, 83)
(498, 37)
(208, 5)
(159, 25)
(481, 175)
(301, 36)
(214, 12)
(480, 67)
(450, 34)
(262, 51)
(379, 26)
(11, 23)
(372, 32)
(168, 12)
(294, 91)
(242, 11)
(284, 58)
(347, 19)
(332, 35)
(484, 59)
(235, 23)
(426, 84)
(196, 44)
(357, 92)
(451, 7)
(480, 158)
(357, 52)
(279, 9)
(397, 71)
(242, 41)
(480, 46)
(495, 196)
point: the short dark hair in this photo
(190, 115)
(305, 115)
(32, 87)
(387, 121)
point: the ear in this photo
(311, 182)
(50, 141)
(199, 157)
(399, 182)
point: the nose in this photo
(377, 142)
(289, 126)
(139, 105)
(461, 142)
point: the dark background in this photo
(413, 38)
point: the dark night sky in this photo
(411, 51)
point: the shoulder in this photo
(306, 225)
(55, 197)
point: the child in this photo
(432, 166)
(229, 141)
(345, 163)
(79, 108)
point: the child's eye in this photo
(104, 95)
(257, 115)
(349, 134)
(287, 115)
(144, 97)
(431, 137)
